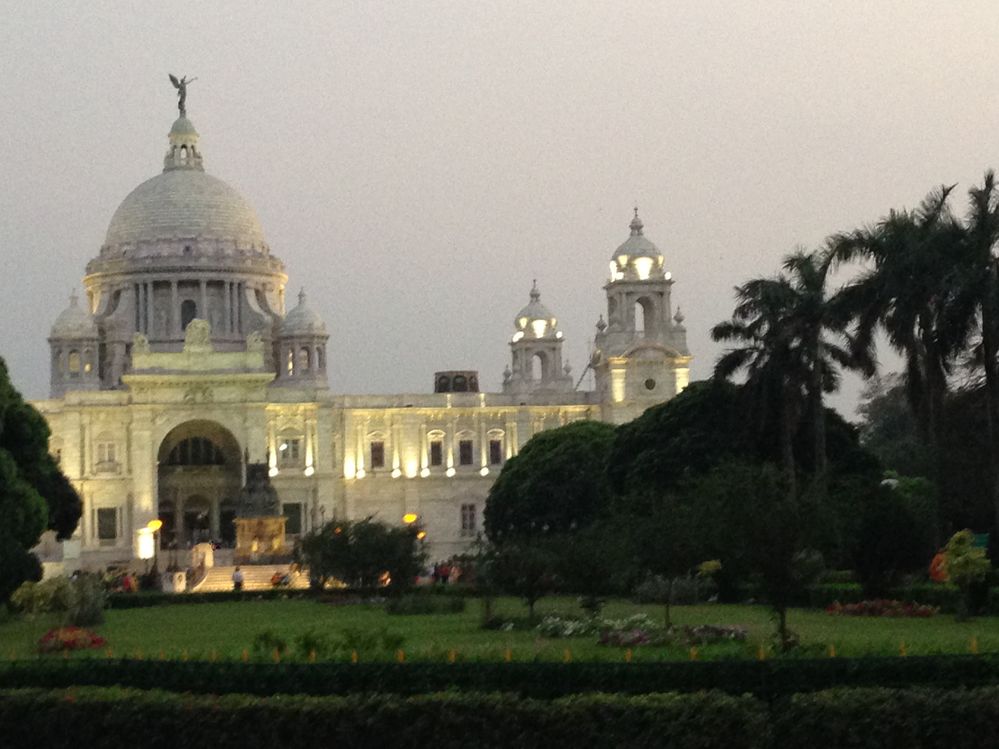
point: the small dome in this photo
(302, 320)
(637, 244)
(535, 320)
(74, 322)
(183, 126)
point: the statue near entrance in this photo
(260, 525)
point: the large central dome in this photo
(185, 204)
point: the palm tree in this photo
(906, 293)
(790, 339)
(974, 308)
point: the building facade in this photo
(181, 365)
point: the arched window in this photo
(74, 363)
(188, 311)
(88, 361)
(303, 359)
(645, 316)
(460, 384)
(539, 366)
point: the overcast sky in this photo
(415, 165)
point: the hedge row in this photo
(884, 718)
(539, 680)
(116, 718)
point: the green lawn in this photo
(228, 628)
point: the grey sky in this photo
(417, 164)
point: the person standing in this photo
(237, 579)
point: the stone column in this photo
(179, 532)
(174, 310)
(215, 517)
(150, 311)
(203, 312)
(227, 308)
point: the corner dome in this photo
(302, 320)
(74, 322)
(535, 320)
(185, 204)
(637, 244)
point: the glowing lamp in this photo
(449, 472)
(154, 525)
(409, 518)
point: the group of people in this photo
(445, 573)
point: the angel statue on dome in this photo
(181, 86)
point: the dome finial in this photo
(181, 85)
(636, 224)
(535, 294)
(301, 296)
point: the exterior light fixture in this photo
(309, 470)
(396, 473)
(424, 473)
(450, 472)
(410, 517)
(421, 535)
(484, 471)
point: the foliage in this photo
(526, 569)
(966, 566)
(114, 717)
(882, 607)
(895, 534)
(594, 562)
(34, 494)
(89, 599)
(679, 590)
(409, 605)
(268, 642)
(555, 484)
(359, 552)
(17, 565)
(69, 638)
(45, 597)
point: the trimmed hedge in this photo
(768, 679)
(889, 718)
(114, 718)
(882, 718)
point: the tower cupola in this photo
(301, 347)
(536, 349)
(74, 341)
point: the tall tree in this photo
(34, 495)
(974, 307)
(789, 339)
(905, 291)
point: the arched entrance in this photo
(200, 475)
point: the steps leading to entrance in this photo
(255, 577)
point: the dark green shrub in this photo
(88, 601)
(266, 643)
(424, 604)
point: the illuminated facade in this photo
(182, 364)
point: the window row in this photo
(465, 453)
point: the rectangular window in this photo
(495, 452)
(436, 453)
(106, 452)
(468, 527)
(465, 452)
(290, 452)
(293, 513)
(378, 454)
(107, 525)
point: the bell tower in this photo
(640, 356)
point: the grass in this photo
(226, 629)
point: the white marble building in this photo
(181, 363)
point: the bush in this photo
(685, 590)
(54, 595)
(883, 607)
(86, 608)
(424, 604)
(269, 642)
(115, 717)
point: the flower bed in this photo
(640, 629)
(882, 607)
(69, 638)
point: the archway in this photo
(200, 475)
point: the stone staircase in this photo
(255, 577)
